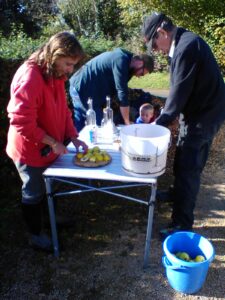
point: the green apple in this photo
(199, 258)
(183, 255)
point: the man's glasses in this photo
(154, 40)
(152, 44)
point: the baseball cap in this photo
(150, 25)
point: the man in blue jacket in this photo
(106, 75)
(197, 91)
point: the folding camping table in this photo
(65, 171)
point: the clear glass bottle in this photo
(107, 113)
(108, 110)
(107, 122)
(104, 119)
(90, 114)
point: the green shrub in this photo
(215, 36)
(93, 47)
(18, 45)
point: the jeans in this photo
(79, 110)
(190, 159)
(33, 188)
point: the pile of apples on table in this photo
(94, 154)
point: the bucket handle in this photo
(166, 263)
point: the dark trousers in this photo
(190, 159)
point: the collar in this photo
(172, 48)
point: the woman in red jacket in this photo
(39, 116)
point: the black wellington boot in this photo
(32, 214)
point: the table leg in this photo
(151, 205)
(51, 210)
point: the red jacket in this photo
(37, 107)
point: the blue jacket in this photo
(105, 75)
(196, 85)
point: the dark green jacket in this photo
(105, 75)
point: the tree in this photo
(39, 11)
(79, 15)
(33, 15)
(11, 13)
(206, 18)
(108, 18)
(186, 13)
(91, 17)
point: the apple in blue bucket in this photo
(199, 258)
(186, 257)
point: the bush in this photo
(8, 68)
(215, 36)
(94, 47)
(18, 45)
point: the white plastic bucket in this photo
(144, 149)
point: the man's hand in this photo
(125, 112)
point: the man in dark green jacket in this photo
(197, 91)
(106, 75)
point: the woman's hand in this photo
(78, 143)
(59, 148)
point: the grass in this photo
(151, 81)
(155, 80)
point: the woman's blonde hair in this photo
(62, 44)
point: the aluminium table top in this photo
(64, 166)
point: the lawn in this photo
(157, 80)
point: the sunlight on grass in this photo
(151, 81)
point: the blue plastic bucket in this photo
(183, 276)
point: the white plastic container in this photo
(144, 149)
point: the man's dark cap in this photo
(150, 25)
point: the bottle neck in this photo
(90, 103)
(90, 114)
(108, 102)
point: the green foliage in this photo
(204, 17)
(55, 25)
(17, 45)
(93, 47)
(78, 15)
(215, 36)
(109, 25)
(92, 18)
(190, 14)
(32, 15)
(39, 11)
(132, 12)
(105, 20)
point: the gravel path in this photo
(102, 254)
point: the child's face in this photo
(146, 115)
